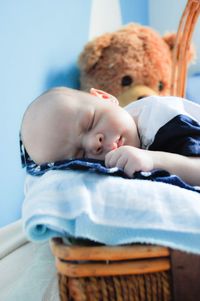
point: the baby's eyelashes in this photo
(91, 123)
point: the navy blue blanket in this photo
(157, 175)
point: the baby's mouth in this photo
(119, 142)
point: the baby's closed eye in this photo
(91, 122)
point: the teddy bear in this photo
(130, 63)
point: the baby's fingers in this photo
(129, 169)
(111, 158)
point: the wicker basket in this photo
(126, 273)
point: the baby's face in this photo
(69, 124)
(96, 126)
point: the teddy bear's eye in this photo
(126, 80)
(160, 85)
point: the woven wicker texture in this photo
(147, 287)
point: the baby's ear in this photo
(170, 40)
(93, 51)
(104, 95)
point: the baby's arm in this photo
(132, 159)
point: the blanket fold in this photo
(110, 210)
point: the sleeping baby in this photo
(152, 133)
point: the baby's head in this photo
(65, 124)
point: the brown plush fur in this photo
(135, 51)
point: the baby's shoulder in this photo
(154, 100)
(156, 105)
(172, 105)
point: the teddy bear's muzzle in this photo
(135, 93)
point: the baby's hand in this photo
(130, 159)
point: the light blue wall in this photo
(134, 11)
(39, 44)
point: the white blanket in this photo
(28, 270)
(111, 210)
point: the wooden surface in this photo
(185, 276)
(96, 253)
(84, 261)
(133, 267)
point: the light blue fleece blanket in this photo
(110, 210)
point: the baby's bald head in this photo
(66, 124)
(44, 125)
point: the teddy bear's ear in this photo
(93, 51)
(170, 39)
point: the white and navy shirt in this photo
(167, 123)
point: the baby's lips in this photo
(117, 144)
(111, 146)
(114, 146)
(120, 142)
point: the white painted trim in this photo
(105, 17)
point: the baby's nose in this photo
(98, 144)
